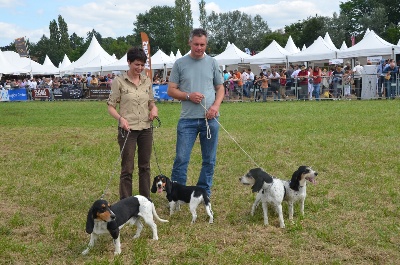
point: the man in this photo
(390, 73)
(274, 77)
(237, 78)
(250, 81)
(245, 77)
(197, 81)
(357, 70)
(303, 83)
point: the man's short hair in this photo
(198, 32)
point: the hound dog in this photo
(103, 218)
(178, 194)
(295, 189)
(270, 190)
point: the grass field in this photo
(57, 158)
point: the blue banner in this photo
(17, 94)
(160, 92)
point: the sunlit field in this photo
(58, 157)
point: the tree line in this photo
(168, 28)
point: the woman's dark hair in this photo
(136, 53)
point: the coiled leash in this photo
(233, 139)
(123, 135)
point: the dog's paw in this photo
(85, 252)
(117, 252)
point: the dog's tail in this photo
(156, 215)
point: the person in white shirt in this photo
(274, 78)
(357, 70)
(250, 81)
(245, 76)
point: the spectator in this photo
(316, 77)
(274, 79)
(302, 77)
(390, 73)
(357, 71)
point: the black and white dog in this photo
(104, 218)
(269, 190)
(178, 194)
(294, 190)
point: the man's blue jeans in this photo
(187, 132)
(316, 91)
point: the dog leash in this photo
(152, 139)
(120, 158)
(233, 139)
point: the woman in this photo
(133, 92)
(317, 79)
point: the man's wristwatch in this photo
(187, 96)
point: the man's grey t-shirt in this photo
(196, 75)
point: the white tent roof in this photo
(6, 67)
(328, 40)
(65, 62)
(274, 53)
(398, 43)
(319, 50)
(47, 63)
(370, 45)
(120, 65)
(160, 60)
(290, 46)
(95, 65)
(178, 54)
(93, 53)
(344, 46)
(172, 56)
(28, 65)
(232, 55)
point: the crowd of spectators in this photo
(299, 82)
(84, 81)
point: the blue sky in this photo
(114, 18)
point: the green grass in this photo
(57, 158)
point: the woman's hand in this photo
(153, 113)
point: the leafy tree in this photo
(158, 24)
(235, 27)
(183, 24)
(278, 35)
(40, 49)
(203, 15)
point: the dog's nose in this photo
(159, 185)
(316, 173)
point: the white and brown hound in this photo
(104, 218)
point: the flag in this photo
(21, 47)
(146, 48)
(353, 40)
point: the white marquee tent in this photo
(95, 58)
(232, 55)
(160, 60)
(328, 40)
(6, 67)
(65, 62)
(274, 53)
(290, 46)
(370, 45)
(344, 46)
(319, 50)
(28, 65)
(119, 65)
(48, 63)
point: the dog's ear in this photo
(168, 185)
(90, 221)
(154, 187)
(113, 228)
(295, 181)
(260, 178)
